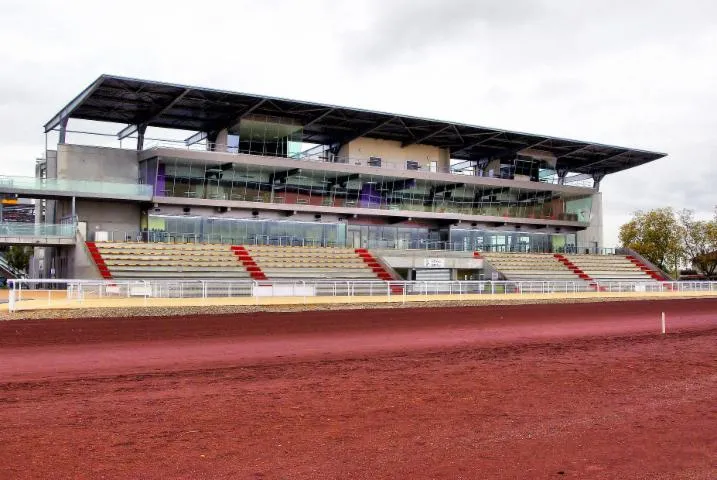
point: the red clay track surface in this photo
(533, 391)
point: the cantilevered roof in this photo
(142, 102)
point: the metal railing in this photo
(34, 293)
(9, 269)
(76, 187)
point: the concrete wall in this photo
(80, 162)
(594, 233)
(392, 153)
(79, 262)
(94, 216)
(108, 216)
(429, 259)
(540, 155)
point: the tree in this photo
(700, 242)
(18, 257)
(656, 235)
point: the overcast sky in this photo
(636, 73)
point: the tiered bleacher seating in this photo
(169, 261)
(147, 261)
(611, 268)
(533, 267)
(310, 263)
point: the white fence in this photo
(26, 293)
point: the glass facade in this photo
(512, 241)
(169, 228)
(306, 186)
(268, 136)
(244, 231)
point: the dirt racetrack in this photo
(521, 391)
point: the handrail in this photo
(76, 187)
(20, 229)
(4, 265)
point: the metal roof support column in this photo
(63, 131)
(597, 177)
(140, 136)
(212, 140)
(562, 173)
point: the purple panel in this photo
(159, 185)
(369, 196)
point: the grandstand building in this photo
(409, 197)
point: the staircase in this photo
(642, 266)
(8, 271)
(577, 271)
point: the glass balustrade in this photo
(12, 229)
(8, 184)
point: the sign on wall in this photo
(434, 262)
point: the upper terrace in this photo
(240, 123)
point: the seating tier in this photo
(533, 267)
(171, 261)
(178, 261)
(311, 263)
(610, 268)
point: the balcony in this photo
(53, 188)
(315, 157)
(15, 233)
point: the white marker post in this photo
(663, 323)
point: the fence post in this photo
(11, 298)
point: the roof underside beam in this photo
(604, 161)
(225, 122)
(515, 150)
(65, 113)
(196, 138)
(367, 131)
(426, 137)
(479, 142)
(130, 129)
(318, 118)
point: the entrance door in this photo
(353, 239)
